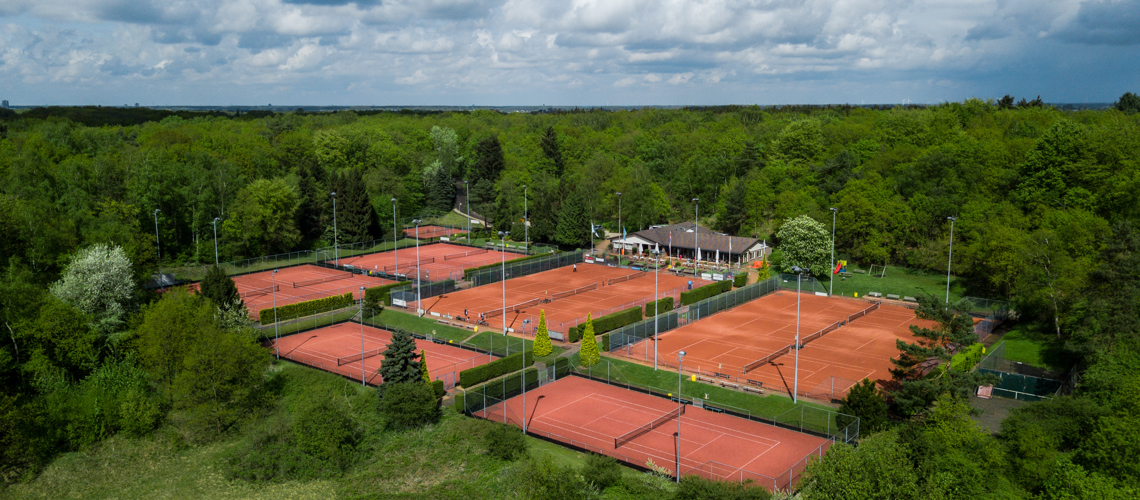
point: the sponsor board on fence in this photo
(718, 277)
(399, 302)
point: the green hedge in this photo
(704, 292)
(740, 280)
(482, 373)
(604, 343)
(495, 389)
(561, 367)
(437, 386)
(292, 311)
(609, 322)
(381, 294)
(471, 270)
(665, 305)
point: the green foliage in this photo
(99, 281)
(866, 401)
(806, 243)
(514, 362)
(1037, 435)
(589, 354)
(609, 322)
(322, 442)
(701, 293)
(401, 363)
(573, 222)
(26, 443)
(602, 471)
(505, 442)
(409, 405)
(355, 219)
(740, 280)
(263, 217)
(658, 307)
(968, 358)
(423, 367)
(878, 469)
(542, 345)
(1128, 103)
(377, 297)
(1069, 481)
(306, 308)
(541, 478)
(695, 487)
(220, 289)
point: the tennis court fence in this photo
(1018, 380)
(525, 268)
(628, 335)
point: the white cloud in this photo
(509, 51)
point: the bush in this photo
(409, 405)
(561, 367)
(325, 431)
(740, 280)
(704, 292)
(541, 478)
(437, 388)
(604, 342)
(664, 305)
(609, 322)
(695, 487)
(309, 307)
(378, 296)
(602, 471)
(866, 402)
(482, 373)
(505, 442)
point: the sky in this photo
(564, 53)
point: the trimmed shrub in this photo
(740, 280)
(542, 345)
(459, 402)
(380, 295)
(306, 308)
(561, 367)
(482, 373)
(704, 292)
(409, 405)
(664, 305)
(437, 387)
(505, 442)
(604, 341)
(602, 471)
(588, 355)
(609, 322)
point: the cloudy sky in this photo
(568, 52)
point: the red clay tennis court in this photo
(438, 261)
(337, 349)
(600, 417)
(566, 295)
(428, 232)
(753, 343)
(298, 284)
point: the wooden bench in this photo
(706, 380)
(874, 294)
(910, 299)
(748, 388)
(892, 296)
(730, 385)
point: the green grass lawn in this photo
(1036, 349)
(488, 340)
(452, 219)
(898, 280)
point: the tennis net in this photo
(465, 254)
(576, 291)
(409, 265)
(262, 291)
(326, 279)
(762, 361)
(357, 357)
(626, 278)
(860, 314)
(641, 431)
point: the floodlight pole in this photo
(362, 337)
(419, 282)
(621, 251)
(216, 240)
(796, 378)
(503, 236)
(336, 246)
(950, 259)
(395, 241)
(468, 187)
(696, 233)
(158, 247)
(656, 303)
(276, 328)
(680, 358)
(526, 225)
(831, 289)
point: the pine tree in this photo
(542, 345)
(220, 289)
(552, 151)
(573, 223)
(865, 401)
(954, 330)
(489, 160)
(589, 355)
(315, 210)
(424, 368)
(355, 218)
(400, 364)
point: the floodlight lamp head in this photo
(157, 210)
(333, 194)
(618, 193)
(833, 209)
(952, 218)
(797, 269)
(393, 200)
(217, 219)
(696, 199)
(681, 355)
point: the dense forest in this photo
(1046, 205)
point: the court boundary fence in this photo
(631, 334)
(478, 403)
(525, 268)
(1020, 381)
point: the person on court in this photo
(575, 267)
